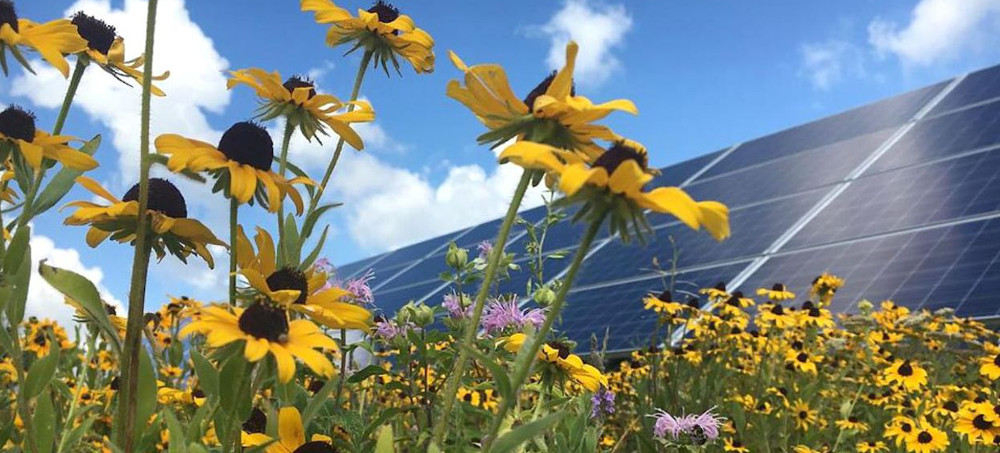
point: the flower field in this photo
(293, 357)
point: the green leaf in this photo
(43, 424)
(208, 376)
(311, 258)
(365, 373)
(19, 245)
(517, 436)
(83, 291)
(41, 373)
(177, 441)
(74, 436)
(385, 440)
(62, 182)
(145, 392)
(232, 397)
(17, 268)
(313, 217)
(290, 245)
(499, 374)
(317, 401)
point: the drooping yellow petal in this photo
(290, 429)
(562, 84)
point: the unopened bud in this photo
(544, 296)
(456, 258)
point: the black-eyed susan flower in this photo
(19, 133)
(926, 439)
(291, 436)
(265, 329)
(42, 335)
(812, 315)
(559, 354)
(174, 232)
(871, 446)
(301, 290)
(241, 165)
(802, 361)
(663, 304)
(825, 286)
(296, 99)
(717, 292)
(52, 40)
(734, 445)
(805, 417)
(615, 181)
(778, 292)
(107, 49)
(380, 30)
(851, 423)
(978, 422)
(905, 373)
(551, 113)
(989, 366)
(776, 315)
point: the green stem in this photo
(22, 400)
(74, 84)
(140, 266)
(343, 366)
(365, 60)
(526, 358)
(469, 337)
(286, 139)
(234, 208)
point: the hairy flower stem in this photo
(365, 60)
(469, 338)
(128, 399)
(526, 357)
(234, 209)
(343, 365)
(74, 84)
(286, 139)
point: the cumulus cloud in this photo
(828, 63)
(598, 28)
(44, 301)
(939, 30)
(197, 80)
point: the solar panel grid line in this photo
(840, 188)
(755, 265)
(963, 108)
(972, 287)
(655, 276)
(942, 276)
(953, 156)
(709, 165)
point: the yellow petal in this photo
(290, 429)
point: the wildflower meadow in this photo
(291, 357)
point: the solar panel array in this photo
(900, 197)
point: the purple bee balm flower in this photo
(387, 329)
(698, 428)
(359, 286)
(602, 403)
(502, 314)
(453, 303)
(484, 248)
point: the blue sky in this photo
(704, 75)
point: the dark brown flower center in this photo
(778, 287)
(8, 15)
(562, 349)
(996, 360)
(40, 339)
(115, 383)
(316, 385)
(541, 88)
(17, 123)
(721, 286)
(924, 437)
(905, 369)
(99, 34)
(315, 447)
(951, 406)
(295, 81)
(163, 198)
(290, 278)
(777, 309)
(262, 320)
(852, 419)
(617, 155)
(386, 12)
(802, 357)
(256, 423)
(981, 423)
(249, 144)
(665, 297)
(906, 427)
(198, 393)
(803, 415)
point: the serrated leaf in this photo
(517, 436)
(41, 373)
(62, 182)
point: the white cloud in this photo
(44, 301)
(827, 63)
(197, 80)
(939, 30)
(598, 28)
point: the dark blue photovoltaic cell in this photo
(349, 270)
(676, 174)
(908, 197)
(619, 309)
(943, 136)
(978, 86)
(415, 251)
(796, 173)
(891, 112)
(427, 269)
(952, 266)
(757, 227)
(389, 300)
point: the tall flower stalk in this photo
(128, 400)
(526, 357)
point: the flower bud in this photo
(423, 315)
(407, 314)
(865, 306)
(544, 296)
(456, 258)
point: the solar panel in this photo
(350, 270)
(902, 203)
(852, 123)
(944, 136)
(948, 266)
(977, 86)
(909, 197)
